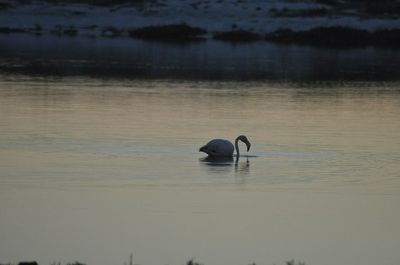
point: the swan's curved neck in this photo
(237, 147)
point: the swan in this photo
(224, 148)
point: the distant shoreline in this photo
(220, 40)
(331, 37)
(320, 23)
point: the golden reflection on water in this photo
(100, 169)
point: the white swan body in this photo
(224, 148)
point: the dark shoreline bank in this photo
(323, 37)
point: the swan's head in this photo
(245, 140)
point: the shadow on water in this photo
(241, 165)
(217, 161)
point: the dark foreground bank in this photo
(189, 262)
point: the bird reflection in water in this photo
(226, 164)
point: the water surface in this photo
(93, 170)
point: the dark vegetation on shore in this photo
(337, 37)
(331, 37)
(237, 36)
(174, 32)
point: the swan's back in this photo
(218, 147)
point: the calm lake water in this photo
(95, 169)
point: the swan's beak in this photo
(248, 146)
(202, 149)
